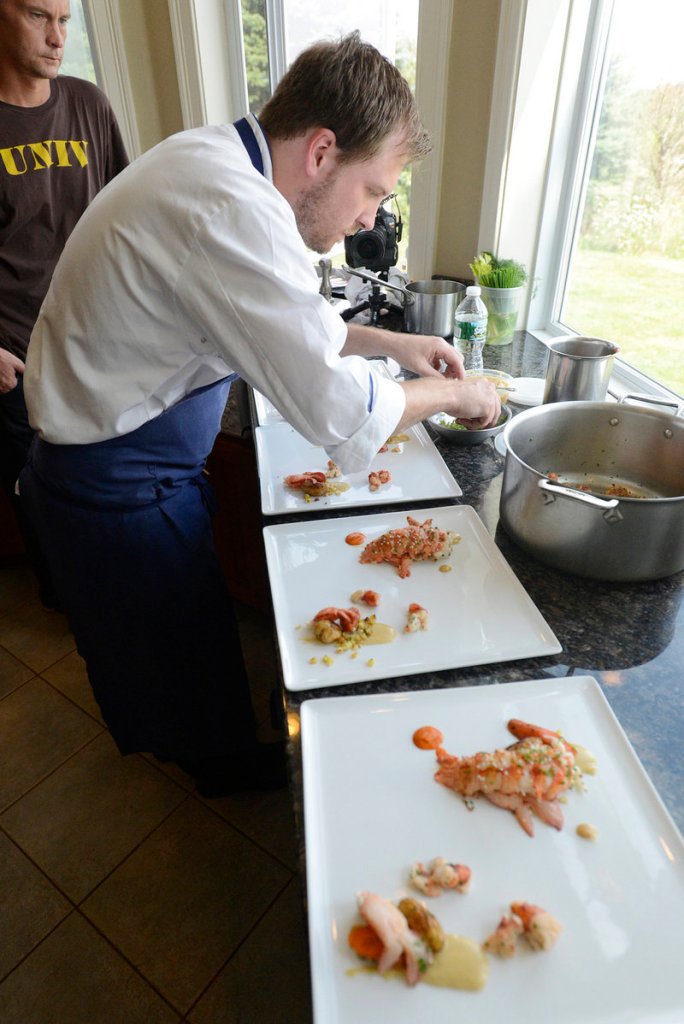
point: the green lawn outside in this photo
(635, 301)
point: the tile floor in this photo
(125, 898)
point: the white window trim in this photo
(539, 125)
(207, 40)
(109, 56)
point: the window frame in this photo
(538, 155)
(207, 38)
(105, 33)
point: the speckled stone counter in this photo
(629, 637)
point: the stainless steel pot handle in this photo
(551, 490)
(650, 400)
(365, 275)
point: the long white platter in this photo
(479, 612)
(372, 808)
(418, 472)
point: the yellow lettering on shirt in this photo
(14, 159)
(10, 162)
(62, 153)
(42, 157)
(79, 151)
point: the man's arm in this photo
(474, 403)
(10, 366)
(419, 353)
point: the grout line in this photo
(241, 944)
(57, 767)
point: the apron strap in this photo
(246, 133)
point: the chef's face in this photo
(347, 199)
(32, 36)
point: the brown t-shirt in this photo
(54, 159)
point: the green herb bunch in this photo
(491, 272)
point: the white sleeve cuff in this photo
(357, 452)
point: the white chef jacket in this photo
(184, 269)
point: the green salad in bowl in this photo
(448, 428)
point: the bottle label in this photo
(471, 330)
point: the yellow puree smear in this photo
(585, 760)
(381, 633)
(461, 963)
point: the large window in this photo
(591, 94)
(276, 31)
(626, 275)
(78, 56)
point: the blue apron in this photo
(126, 526)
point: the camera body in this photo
(377, 249)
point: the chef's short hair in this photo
(350, 88)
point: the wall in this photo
(471, 74)
(149, 48)
(151, 62)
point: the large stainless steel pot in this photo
(606, 447)
(429, 306)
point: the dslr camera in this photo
(377, 249)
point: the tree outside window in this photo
(627, 273)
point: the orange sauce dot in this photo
(355, 538)
(427, 737)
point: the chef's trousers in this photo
(16, 437)
(126, 527)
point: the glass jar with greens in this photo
(501, 283)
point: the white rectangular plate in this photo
(372, 809)
(479, 613)
(418, 472)
(266, 412)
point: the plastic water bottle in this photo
(470, 327)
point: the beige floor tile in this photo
(36, 636)
(183, 901)
(17, 584)
(69, 675)
(268, 978)
(31, 906)
(12, 673)
(40, 729)
(86, 817)
(172, 771)
(75, 977)
(267, 818)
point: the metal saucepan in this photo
(429, 306)
(628, 524)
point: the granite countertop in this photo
(628, 636)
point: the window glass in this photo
(78, 58)
(626, 280)
(390, 25)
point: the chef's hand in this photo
(473, 402)
(10, 366)
(428, 356)
(476, 404)
(419, 353)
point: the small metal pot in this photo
(429, 306)
(604, 447)
(579, 369)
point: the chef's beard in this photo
(314, 213)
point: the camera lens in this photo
(370, 246)
(375, 249)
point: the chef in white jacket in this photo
(188, 270)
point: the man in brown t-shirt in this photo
(59, 145)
